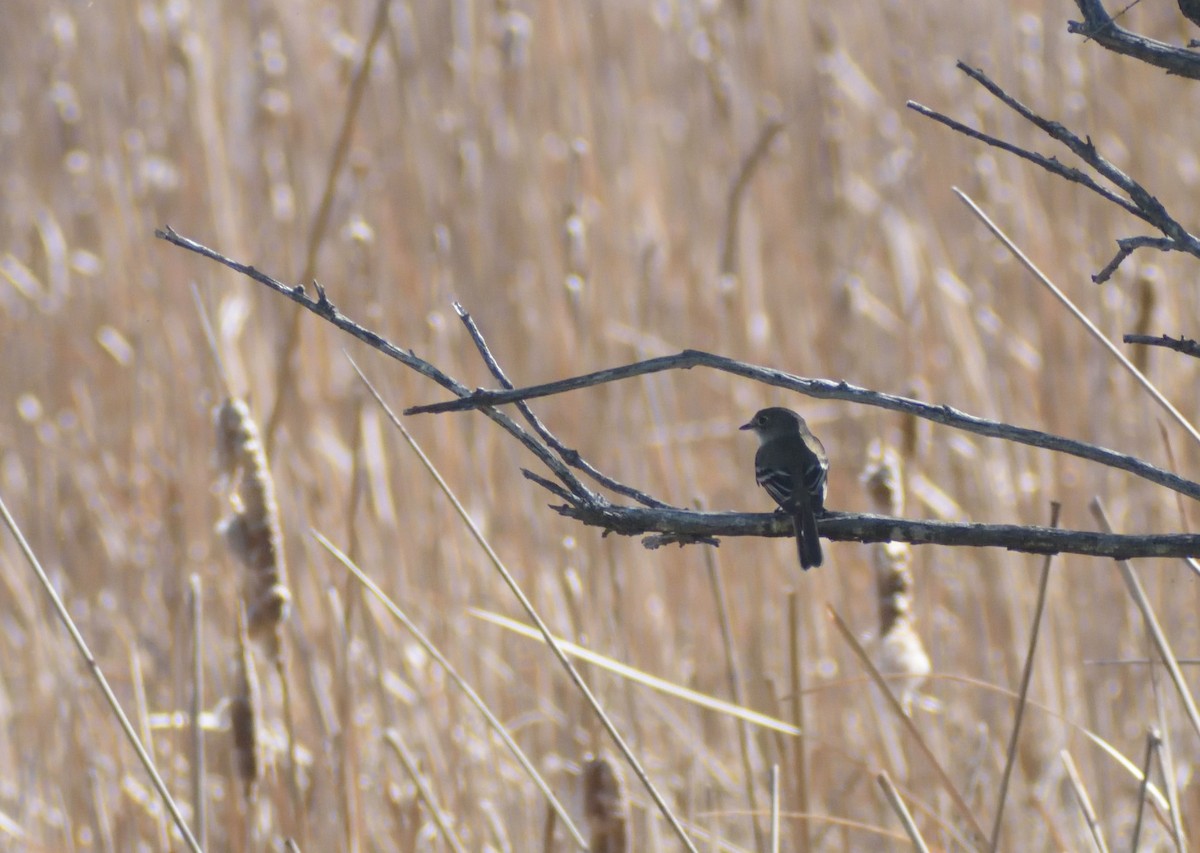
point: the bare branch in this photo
(863, 528)
(1099, 26)
(1149, 208)
(826, 390)
(569, 455)
(1050, 164)
(1140, 202)
(1126, 247)
(670, 525)
(322, 307)
(1187, 346)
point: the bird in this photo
(792, 466)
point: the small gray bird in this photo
(791, 465)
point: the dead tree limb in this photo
(827, 390)
(1133, 198)
(1099, 26)
(678, 526)
(666, 524)
(1187, 346)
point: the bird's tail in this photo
(807, 539)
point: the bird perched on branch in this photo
(791, 465)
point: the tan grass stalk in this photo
(1162, 752)
(605, 805)
(733, 201)
(1023, 693)
(1184, 526)
(1095, 332)
(98, 674)
(143, 716)
(796, 675)
(978, 836)
(1166, 762)
(103, 822)
(774, 808)
(1085, 803)
(320, 225)
(548, 830)
(637, 676)
(1153, 628)
(1115, 755)
(1151, 744)
(735, 688)
(462, 685)
(902, 812)
(348, 762)
(511, 582)
(424, 791)
(499, 839)
(198, 763)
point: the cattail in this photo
(1147, 301)
(900, 649)
(605, 805)
(245, 711)
(252, 531)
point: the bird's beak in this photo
(747, 426)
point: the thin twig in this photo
(823, 389)
(1126, 246)
(1149, 209)
(1139, 202)
(569, 455)
(1050, 164)
(1187, 346)
(324, 308)
(486, 400)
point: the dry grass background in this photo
(562, 169)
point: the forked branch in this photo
(1132, 197)
(665, 524)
